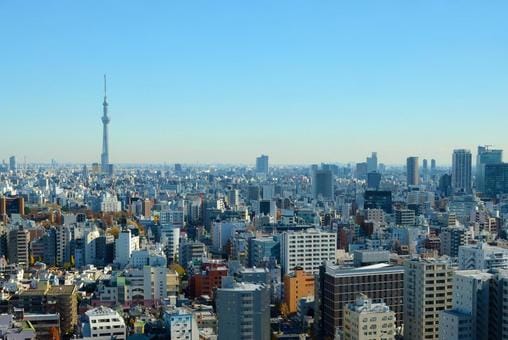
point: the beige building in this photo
(428, 290)
(364, 320)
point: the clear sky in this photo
(224, 81)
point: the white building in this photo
(222, 232)
(103, 323)
(364, 320)
(307, 249)
(181, 324)
(124, 246)
(482, 256)
(152, 257)
(170, 237)
(109, 203)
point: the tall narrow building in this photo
(427, 291)
(461, 171)
(105, 142)
(262, 164)
(413, 172)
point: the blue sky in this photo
(224, 81)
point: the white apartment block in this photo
(307, 249)
(103, 323)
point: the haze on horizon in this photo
(225, 81)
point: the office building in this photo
(306, 249)
(485, 156)
(103, 323)
(373, 180)
(495, 179)
(365, 320)
(262, 164)
(405, 217)
(297, 285)
(243, 311)
(361, 171)
(372, 162)
(412, 171)
(461, 171)
(428, 290)
(11, 205)
(262, 250)
(12, 163)
(339, 286)
(322, 184)
(374, 199)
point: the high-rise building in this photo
(307, 249)
(461, 171)
(427, 291)
(425, 169)
(412, 171)
(373, 180)
(365, 320)
(361, 171)
(105, 165)
(262, 164)
(339, 286)
(297, 285)
(372, 162)
(12, 163)
(243, 311)
(495, 179)
(322, 183)
(433, 168)
(485, 156)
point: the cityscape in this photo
(392, 245)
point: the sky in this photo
(225, 81)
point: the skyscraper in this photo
(12, 163)
(413, 173)
(461, 171)
(495, 179)
(322, 183)
(105, 142)
(372, 162)
(425, 169)
(483, 157)
(262, 164)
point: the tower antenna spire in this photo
(104, 84)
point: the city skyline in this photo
(188, 82)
